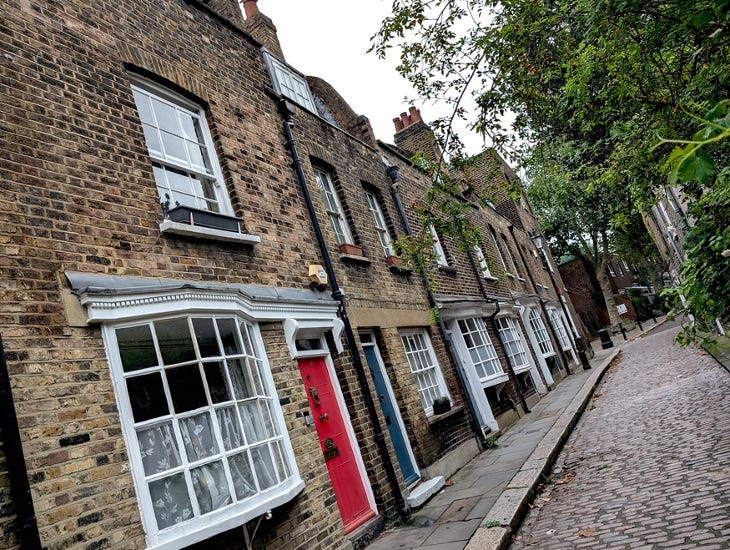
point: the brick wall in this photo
(81, 197)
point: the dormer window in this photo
(289, 83)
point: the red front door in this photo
(347, 482)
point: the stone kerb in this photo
(509, 509)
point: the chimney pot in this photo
(398, 124)
(404, 120)
(250, 8)
(414, 114)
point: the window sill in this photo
(225, 519)
(509, 274)
(169, 227)
(356, 258)
(395, 264)
(494, 380)
(447, 269)
(437, 418)
(491, 279)
(523, 368)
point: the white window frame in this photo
(511, 257)
(541, 334)
(438, 248)
(335, 212)
(560, 329)
(425, 367)
(514, 347)
(499, 251)
(165, 163)
(290, 83)
(381, 227)
(482, 354)
(232, 515)
(482, 262)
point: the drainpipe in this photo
(286, 110)
(542, 305)
(19, 486)
(392, 172)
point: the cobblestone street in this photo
(648, 464)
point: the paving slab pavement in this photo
(485, 500)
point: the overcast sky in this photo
(330, 38)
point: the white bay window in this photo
(203, 424)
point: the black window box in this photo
(204, 218)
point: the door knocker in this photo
(314, 394)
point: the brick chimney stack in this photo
(406, 120)
(261, 28)
(412, 135)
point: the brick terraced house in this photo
(207, 338)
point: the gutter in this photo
(19, 486)
(286, 110)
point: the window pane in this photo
(229, 336)
(211, 487)
(136, 348)
(152, 139)
(166, 116)
(198, 437)
(170, 500)
(176, 345)
(174, 147)
(251, 418)
(264, 466)
(188, 124)
(144, 108)
(241, 378)
(205, 336)
(230, 428)
(158, 448)
(186, 388)
(243, 481)
(147, 397)
(215, 375)
(281, 466)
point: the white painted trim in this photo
(475, 390)
(437, 366)
(176, 228)
(104, 307)
(535, 344)
(293, 328)
(181, 536)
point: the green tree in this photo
(602, 78)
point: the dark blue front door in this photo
(392, 416)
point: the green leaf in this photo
(698, 167)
